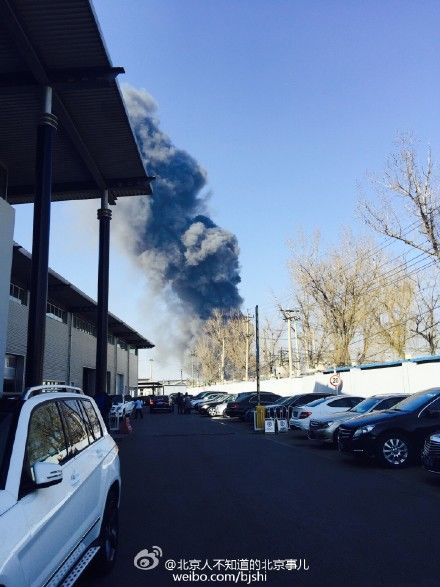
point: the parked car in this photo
(431, 454)
(204, 405)
(326, 406)
(395, 436)
(161, 403)
(201, 395)
(211, 396)
(218, 407)
(326, 428)
(122, 405)
(284, 406)
(59, 488)
(248, 400)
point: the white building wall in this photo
(407, 378)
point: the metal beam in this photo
(104, 217)
(85, 77)
(40, 245)
(24, 194)
(28, 53)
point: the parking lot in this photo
(203, 489)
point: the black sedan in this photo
(431, 454)
(161, 403)
(395, 436)
(246, 401)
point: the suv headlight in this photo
(363, 430)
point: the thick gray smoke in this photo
(180, 247)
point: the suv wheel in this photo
(211, 411)
(108, 539)
(394, 450)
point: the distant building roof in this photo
(71, 298)
(58, 43)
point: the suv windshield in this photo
(416, 401)
(365, 406)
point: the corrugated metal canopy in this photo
(58, 43)
(70, 298)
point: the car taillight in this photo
(304, 415)
(233, 405)
(151, 402)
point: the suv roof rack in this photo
(38, 389)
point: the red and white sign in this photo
(335, 380)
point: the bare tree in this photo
(221, 346)
(394, 311)
(270, 346)
(339, 283)
(427, 303)
(407, 191)
(313, 334)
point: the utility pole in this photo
(295, 333)
(288, 316)
(248, 340)
(193, 354)
(257, 353)
(151, 369)
(223, 361)
(289, 343)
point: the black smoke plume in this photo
(181, 248)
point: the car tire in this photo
(335, 437)
(211, 412)
(105, 560)
(394, 450)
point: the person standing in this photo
(187, 404)
(179, 403)
(104, 403)
(138, 408)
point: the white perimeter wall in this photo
(407, 378)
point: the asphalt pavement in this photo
(228, 499)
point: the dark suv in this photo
(395, 436)
(247, 401)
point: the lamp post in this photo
(151, 369)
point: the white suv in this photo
(325, 406)
(59, 488)
(122, 405)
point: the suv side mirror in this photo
(47, 474)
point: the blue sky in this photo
(285, 103)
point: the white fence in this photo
(408, 377)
